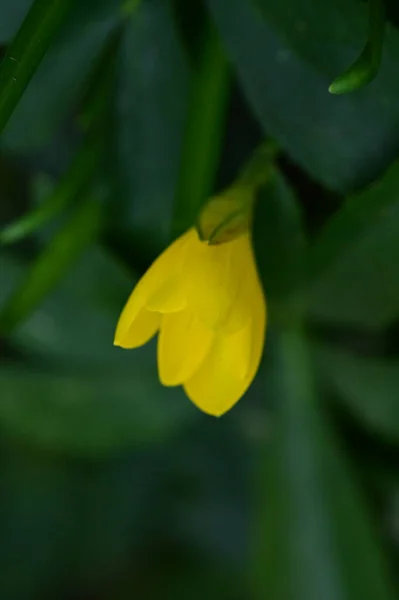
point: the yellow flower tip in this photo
(120, 344)
(208, 408)
(207, 303)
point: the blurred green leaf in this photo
(27, 50)
(325, 134)
(150, 120)
(366, 386)
(71, 185)
(99, 94)
(327, 33)
(280, 246)
(54, 88)
(316, 539)
(392, 9)
(92, 413)
(76, 322)
(33, 522)
(71, 519)
(367, 64)
(203, 133)
(354, 260)
(113, 502)
(189, 576)
(12, 13)
(52, 264)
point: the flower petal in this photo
(246, 285)
(153, 288)
(165, 292)
(211, 276)
(258, 326)
(143, 328)
(169, 297)
(182, 346)
(220, 381)
(230, 366)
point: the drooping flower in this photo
(208, 306)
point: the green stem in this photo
(257, 172)
(26, 51)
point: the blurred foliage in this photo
(119, 119)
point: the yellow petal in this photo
(211, 279)
(169, 298)
(220, 381)
(258, 326)
(154, 288)
(182, 345)
(246, 285)
(230, 366)
(144, 327)
(163, 280)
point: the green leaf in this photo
(203, 133)
(326, 33)
(280, 246)
(366, 386)
(50, 267)
(151, 112)
(92, 413)
(68, 190)
(27, 50)
(97, 103)
(190, 576)
(12, 13)
(316, 539)
(69, 519)
(354, 260)
(367, 64)
(288, 92)
(33, 522)
(56, 84)
(113, 506)
(75, 324)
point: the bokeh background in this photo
(111, 486)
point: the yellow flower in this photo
(207, 303)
